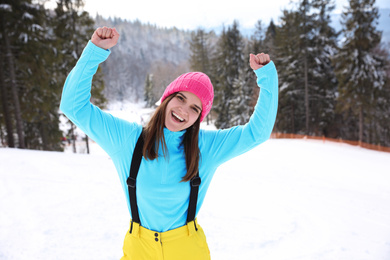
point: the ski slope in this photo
(286, 199)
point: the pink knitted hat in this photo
(197, 83)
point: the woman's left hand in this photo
(259, 60)
(105, 37)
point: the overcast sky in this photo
(198, 13)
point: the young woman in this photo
(167, 166)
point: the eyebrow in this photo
(186, 98)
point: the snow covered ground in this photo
(286, 199)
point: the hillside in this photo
(164, 52)
(143, 49)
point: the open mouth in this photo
(177, 118)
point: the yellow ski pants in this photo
(178, 244)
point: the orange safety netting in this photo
(324, 139)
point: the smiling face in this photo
(182, 111)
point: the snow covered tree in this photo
(150, 98)
(242, 101)
(359, 70)
(73, 28)
(291, 112)
(5, 110)
(245, 89)
(376, 123)
(226, 65)
(323, 88)
(11, 25)
(29, 78)
(305, 45)
(200, 51)
(255, 44)
(268, 45)
(40, 91)
(383, 113)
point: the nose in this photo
(184, 110)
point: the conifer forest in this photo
(332, 82)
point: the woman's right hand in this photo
(258, 61)
(105, 38)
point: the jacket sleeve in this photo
(108, 131)
(223, 145)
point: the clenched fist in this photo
(105, 38)
(259, 60)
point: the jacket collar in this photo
(173, 137)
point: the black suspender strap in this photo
(131, 181)
(195, 182)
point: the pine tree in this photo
(41, 90)
(27, 43)
(376, 125)
(324, 86)
(384, 115)
(200, 47)
(305, 45)
(227, 64)
(150, 98)
(291, 112)
(200, 51)
(268, 45)
(245, 89)
(11, 14)
(359, 71)
(241, 103)
(73, 28)
(5, 114)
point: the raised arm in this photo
(108, 131)
(222, 145)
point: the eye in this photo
(195, 110)
(180, 97)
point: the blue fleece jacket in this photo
(162, 198)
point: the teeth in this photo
(178, 117)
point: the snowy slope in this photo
(286, 199)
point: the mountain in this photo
(142, 49)
(164, 52)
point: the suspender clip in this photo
(195, 182)
(130, 182)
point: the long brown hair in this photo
(154, 137)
